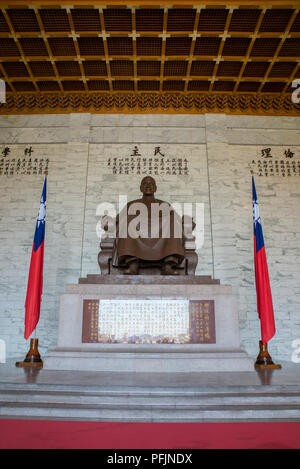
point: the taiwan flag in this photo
(35, 279)
(263, 289)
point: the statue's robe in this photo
(146, 247)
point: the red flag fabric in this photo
(35, 278)
(263, 289)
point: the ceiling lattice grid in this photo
(166, 49)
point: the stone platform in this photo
(224, 354)
(149, 280)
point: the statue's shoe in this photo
(133, 269)
(167, 269)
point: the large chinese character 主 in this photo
(5, 151)
(135, 152)
(266, 153)
(289, 154)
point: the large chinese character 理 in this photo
(266, 153)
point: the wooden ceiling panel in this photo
(183, 18)
(117, 19)
(48, 86)
(68, 68)
(94, 67)
(244, 20)
(110, 49)
(212, 19)
(148, 68)
(41, 69)
(89, 45)
(23, 20)
(123, 85)
(173, 85)
(248, 86)
(208, 46)
(256, 69)
(149, 19)
(121, 68)
(198, 85)
(8, 47)
(62, 46)
(148, 85)
(275, 20)
(4, 28)
(86, 19)
(98, 85)
(175, 68)
(149, 46)
(202, 68)
(15, 69)
(55, 20)
(295, 28)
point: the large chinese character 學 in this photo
(5, 151)
(266, 153)
(289, 154)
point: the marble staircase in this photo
(134, 403)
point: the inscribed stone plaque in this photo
(149, 321)
(90, 321)
(202, 322)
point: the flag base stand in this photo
(33, 358)
(264, 360)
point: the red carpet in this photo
(40, 434)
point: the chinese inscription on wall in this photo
(29, 163)
(277, 161)
(157, 163)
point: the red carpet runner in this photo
(41, 434)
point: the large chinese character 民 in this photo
(158, 152)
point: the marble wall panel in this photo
(221, 150)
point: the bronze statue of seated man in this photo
(148, 230)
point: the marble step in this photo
(164, 399)
(220, 413)
(137, 404)
(163, 359)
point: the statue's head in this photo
(148, 185)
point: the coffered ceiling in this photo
(162, 57)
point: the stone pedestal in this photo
(72, 353)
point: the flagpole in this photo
(33, 358)
(263, 360)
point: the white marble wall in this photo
(219, 148)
